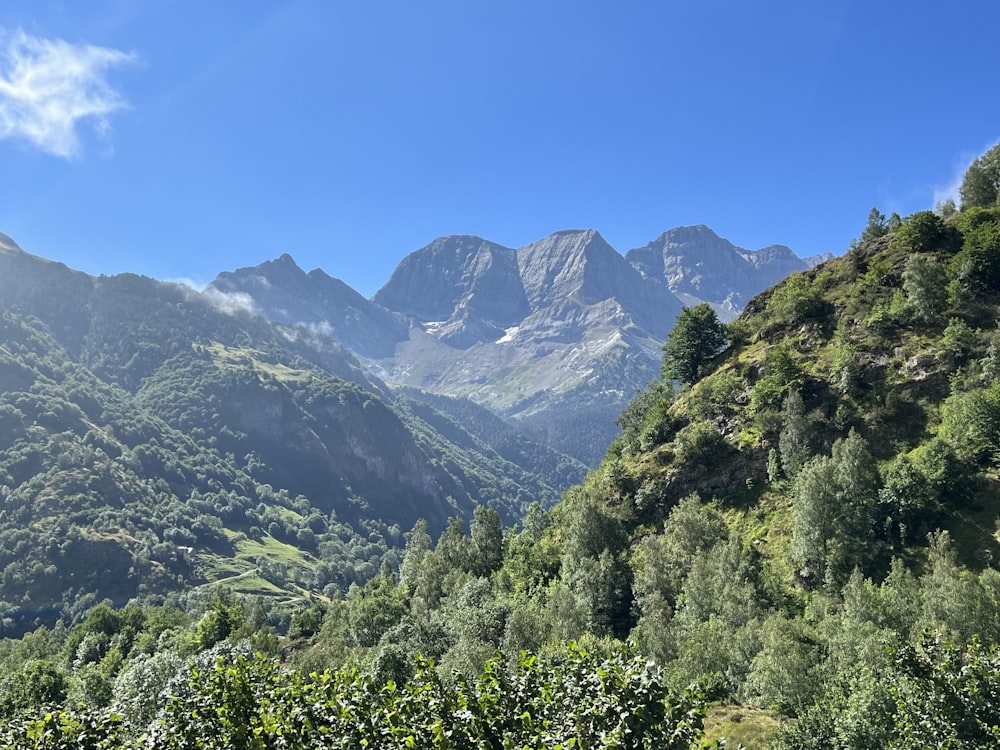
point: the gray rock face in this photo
(465, 289)
(699, 266)
(556, 336)
(576, 278)
(281, 291)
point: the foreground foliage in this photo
(578, 700)
(929, 695)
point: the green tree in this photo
(662, 561)
(454, 546)
(835, 502)
(925, 231)
(977, 265)
(38, 683)
(925, 282)
(592, 562)
(971, 422)
(981, 183)
(878, 225)
(138, 689)
(783, 674)
(696, 339)
(220, 621)
(793, 441)
(375, 609)
(417, 547)
(946, 696)
(718, 618)
(815, 516)
(908, 504)
(486, 551)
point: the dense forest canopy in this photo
(792, 543)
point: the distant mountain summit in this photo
(697, 265)
(284, 293)
(465, 289)
(555, 336)
(578, 279)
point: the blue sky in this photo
(179, 139)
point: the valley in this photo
(790, 541)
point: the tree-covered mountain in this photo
(555, 336)
(799, 517)
(150, 442)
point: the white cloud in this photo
(950, 189)
(323, 328)
(192, 284)
(48, 86)
(961, 165)
(230, 302)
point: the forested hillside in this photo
(150, 442)
(800, 519)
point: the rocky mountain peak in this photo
(289, 295)
(571, 264)
(687, 235)
(774, 254)
(7, 243)
(469, 289)
(697, 265)
(556, 334)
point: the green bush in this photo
(700, 443)
(574, 699)
(977, 265)
(796, 301)
(925, 231)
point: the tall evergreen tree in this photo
(697, 337)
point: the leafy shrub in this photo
(782, 372)
(947, 476)
(700, 442)
(796, 301)
(573, 699)
(946, 696)
(971, 422)
(959, 340)
(977, 265)
(925, 231)
(715, 394)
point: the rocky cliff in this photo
(555, 336)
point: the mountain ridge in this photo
(517, 330)
(174, 439)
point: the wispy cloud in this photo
(960, 166)
(193, 284)
(949, 190)
(230, 302)
(48, 86)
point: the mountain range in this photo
(150, 441)
(280, 433)
(555, 336)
